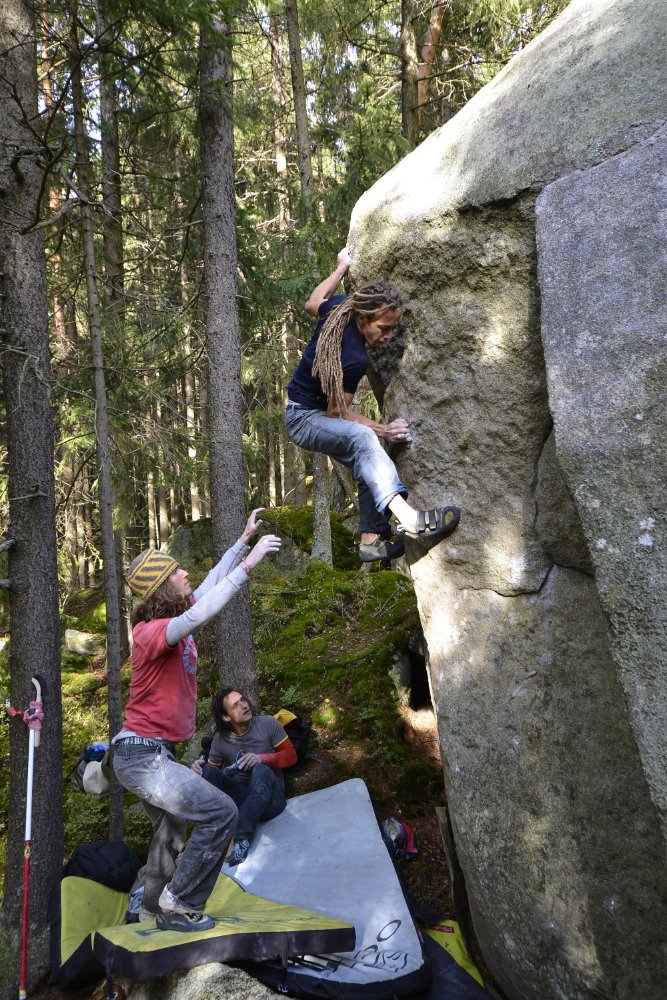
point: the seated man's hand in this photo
(249, 760)
(198, 765)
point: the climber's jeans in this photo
(357, 447)
(172, 795)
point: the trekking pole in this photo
(33, 719)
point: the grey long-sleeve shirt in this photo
(224, 580)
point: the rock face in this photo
(604, 329)
(529, 236)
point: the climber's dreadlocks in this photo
(368, 301)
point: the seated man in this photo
(254, 750)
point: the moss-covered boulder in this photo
(190, 545)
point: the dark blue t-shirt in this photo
(307, 390)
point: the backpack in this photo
(91, 752)
(399, 838)
(298, 728)
(110, 862)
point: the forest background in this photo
(183, 174)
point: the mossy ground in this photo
(325, 641)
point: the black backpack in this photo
(299, 730)
(110, 862)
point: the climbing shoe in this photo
(176, 915)
(239, 852)
(381, 548)
(186, 920)
(433, 523)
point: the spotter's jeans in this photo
(172, 795)
(357, 447)
(258, 800)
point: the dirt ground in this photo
(427, 878)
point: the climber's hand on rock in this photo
(397, 431)
(344, 259)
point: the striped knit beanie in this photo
(148, 571)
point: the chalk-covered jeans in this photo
(258, 800)
(357, 447)
(172, 795)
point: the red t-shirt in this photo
(163, 687)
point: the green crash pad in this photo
(89, 937)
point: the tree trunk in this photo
(113, 625)
(79, 513)
(409, 74)
(429, 49)
(293, 474)
(299, 95)
(153, 540)
(33, 593)
(279, 138)
(114, 282)
(276, 494)
(322, 547)
(271, 456)
(62, 345)
(164, 521)
(236, 652)
(202, 385)
(69, 485)
(112, 233)
(191, 425)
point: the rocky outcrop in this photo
(84, 643)
(206, 982)
(529, 237)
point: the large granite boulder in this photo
(529, 236)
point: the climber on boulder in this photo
(319, 418)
